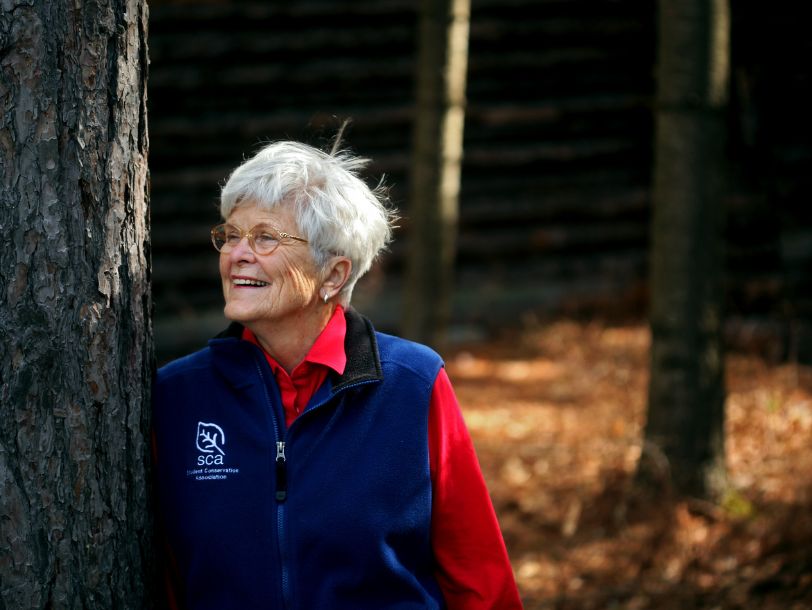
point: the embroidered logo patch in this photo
(210, 441)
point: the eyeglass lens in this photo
(261, 239)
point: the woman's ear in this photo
(339, 269)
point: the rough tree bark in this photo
(75, 351)
(436, 165)
(684, 435)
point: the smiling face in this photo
(279, 287)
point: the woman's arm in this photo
(472, 563)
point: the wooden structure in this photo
(554, 208)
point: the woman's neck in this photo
(289, 341)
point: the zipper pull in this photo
(281, 473)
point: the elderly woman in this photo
(304, 459)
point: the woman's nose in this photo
(242, 251)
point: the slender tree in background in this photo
(436, 164)
(75, 350)
(685, 431)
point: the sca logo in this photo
(210, 440)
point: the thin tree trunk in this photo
(436, 165)
(686, 390)
(75, 352)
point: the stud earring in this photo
(326, 298)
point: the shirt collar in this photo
(328, 349)
(329, 346)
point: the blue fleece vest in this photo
(333, 513)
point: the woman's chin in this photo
(236, 313)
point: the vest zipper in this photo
(281, 492)
(281, 473)
(283, 556)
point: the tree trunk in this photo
(686, 389)
(75, 351)
(436, 164)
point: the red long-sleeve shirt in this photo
(472, 568)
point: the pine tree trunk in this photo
(436, 165)
(75, 351)
(685, 428)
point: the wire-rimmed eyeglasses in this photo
(262, 239)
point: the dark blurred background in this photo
(555, 199)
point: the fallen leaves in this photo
(557, 414)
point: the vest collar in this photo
(235, 357)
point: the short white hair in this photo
(335, 209)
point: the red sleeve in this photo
(472, 563)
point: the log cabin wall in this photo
(558, 141)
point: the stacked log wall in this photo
(558, 140)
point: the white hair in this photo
(335, 210)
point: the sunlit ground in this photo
(557, 413)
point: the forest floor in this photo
(556, 413)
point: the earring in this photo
(326, 298)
